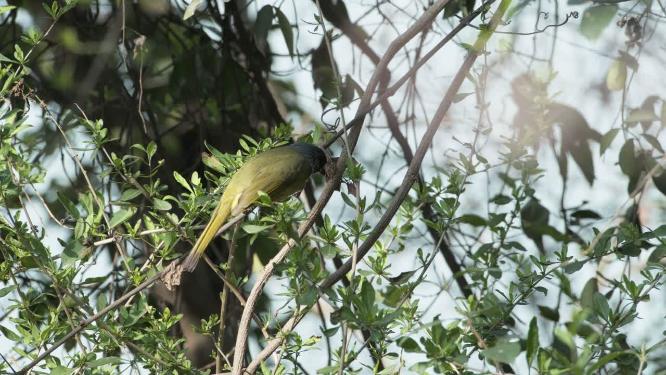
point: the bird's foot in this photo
(172, 275)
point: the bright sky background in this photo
(580, 64)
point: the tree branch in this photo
(409, 179)
(394, 47)
(412, 172)
(357, 38)
(464, 22)
(86, 322)
(401, 194)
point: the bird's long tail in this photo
(218, 218)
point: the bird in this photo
(279, 172)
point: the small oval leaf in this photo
(617, 76)
(121, 216)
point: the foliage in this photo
(105, 180)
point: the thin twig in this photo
(411, 72)
(394, 47)
(223, 301)
(345, 138)
(401, 194)
(86, 322)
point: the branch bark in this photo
(364, 107)
(125, 297)
(356, 36)
(409, 179)
(412, 172)
(411, 72)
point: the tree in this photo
(475, 221)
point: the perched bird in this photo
(279, 172)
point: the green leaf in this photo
(287, 32)
(474, 220)
(503, 351)
(660, 231)
(191, 8)
(6, 290)
(468, 47)
(549, 313)
(151, 149)
(129, 194)
(582, 155)
(402, 277)
(564, 342)
(600, 305)
(161, 204)
(254, 228)
(61, 370)
(182, 181)
(367, 294)
(532, 341)
(534, 221)
(8, 333)
(587, 295)
(18, 54)
(627, 158)
(660, 182)
(69, 206)
(596, 19)
(501, 199)
(6, 8)
(496, 219)
(573, 266)
(5, 59)
(576, 134)
(121, 216)
(657, 254)
(607, 139)
(263, 23)
(409, 345)
(616, 76)
(196, 180)
(585, 214)
(212, 162)
(72, 252)
(105, 361)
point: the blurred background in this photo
(189, 77)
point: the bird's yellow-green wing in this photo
(279, 173)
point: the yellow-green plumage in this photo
(279, 172)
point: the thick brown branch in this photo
(408, 180)
(366, 100)
(354, 34)
(410, 177)
(412, 71)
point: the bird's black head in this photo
(315, 155)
